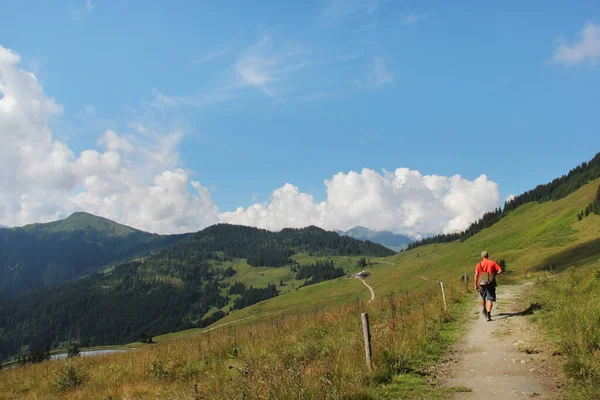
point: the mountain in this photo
(3, 227)
(186, 285)
(40, 255)
(393, 241)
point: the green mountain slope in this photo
(40, 255)
(557, 189)
(186, 285)
(532, 236)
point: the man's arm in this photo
(476, 277)
(498, 268)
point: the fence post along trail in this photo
(367, 338)
(442, 288)
(443, 296)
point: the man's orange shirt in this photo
(487, 265)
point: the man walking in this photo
(485, 283)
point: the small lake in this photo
(89, 353)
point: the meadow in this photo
(570, 313)
(313, 355)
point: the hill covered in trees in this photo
(273, 249)
(558, 189)
(41, 255)
(176, 288)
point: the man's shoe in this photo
(489, 316)
(484, 312)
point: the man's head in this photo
(484, 254)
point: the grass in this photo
(570, 315)
(312, 355)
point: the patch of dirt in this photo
(507, 358)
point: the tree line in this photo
(254, 295)
(318, 272)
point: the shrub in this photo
(69, 377)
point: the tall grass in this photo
(571, 314)
(317, 355)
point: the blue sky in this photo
(268, 93)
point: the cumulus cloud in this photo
(587, 47)
(135, 180)
(401, 201)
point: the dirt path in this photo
(371, 289)
(506, 358)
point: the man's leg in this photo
(491, 297)
(482, 294)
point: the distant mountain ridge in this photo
(168, 290)
(46, 254)
(393, 241)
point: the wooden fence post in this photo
(367, 337)
(443, 295)
(196, 397)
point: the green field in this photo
(292, 297)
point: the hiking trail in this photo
(371, 289)
(507, 358)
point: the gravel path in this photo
(506, 358)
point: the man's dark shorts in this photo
(488, 292)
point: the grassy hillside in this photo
(533, 235)
(569, 309)
(310, 356)
(42, 255)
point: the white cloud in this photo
(264, 66)
(403, 201)
(509, 197)
(216, 96)
(135, 180)
(412, 18)
(343, 11)
(587, 48)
